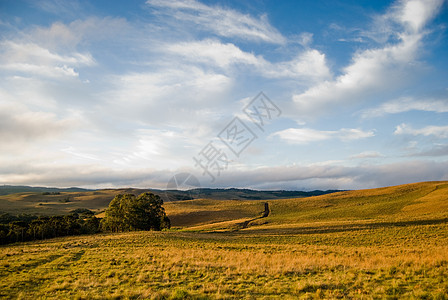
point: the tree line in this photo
(126, 212)
(27, 228)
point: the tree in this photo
(17, 230)
(115, 216)
(4, 229)
(128, 212)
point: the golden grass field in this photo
(386, 243)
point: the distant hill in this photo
(53, 201)
(236, 194)
(14, 189)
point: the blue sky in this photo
(130, 93)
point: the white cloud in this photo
(29, 52)
(222, 21)
(81, 32)
(81, 174)
(436, 131)
(213, 52)
(308, 65)
(77, 153)
(409, 16)
(373, 70)
(306, 38)
(160, 149)
(416, 13)
(172, 85)
(41, 70)
(187, 98)
(366, 154)
(20, 127)
(51, 52)
(32, 59)
(303, 135)
(308, 135)
(406, 104)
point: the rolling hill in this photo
(386, 243)
(409, 202)
(416, 201)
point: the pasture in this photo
(384, 243)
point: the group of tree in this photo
(125, 213)
(27, 228)
(128, 212)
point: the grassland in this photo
(384, 243)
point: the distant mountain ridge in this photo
(14, 189)
(237, 194)
(212, 193)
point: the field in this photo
(382, 243)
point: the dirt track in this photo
(265, 213)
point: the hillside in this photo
(386, 243)
(417, 201)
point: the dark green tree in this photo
(115, 214)
(128, 212)
(4, 229)
(17, 231)
(91, 225)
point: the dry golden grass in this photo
(202, 211)
(404, 202)
(390, 262)
(384, 243)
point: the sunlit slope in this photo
(418, 201)
(427, 200)
(203, 212)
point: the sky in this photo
(263, 94)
